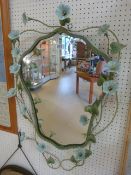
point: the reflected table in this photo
(89, 78)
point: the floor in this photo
(61, 108)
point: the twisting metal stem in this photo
(112, 118)
(32, 30)
(87, 28)
(99, 119)
(33, 19)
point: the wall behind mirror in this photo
(7, 107)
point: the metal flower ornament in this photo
(63, 12)
(107, 81)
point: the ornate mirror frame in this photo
(108, 83)
(5, 18)
(60, 30)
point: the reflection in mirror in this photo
(61, 101)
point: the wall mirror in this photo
(50, 72)
(7, 106)
(68, 82)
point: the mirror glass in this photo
(4, 107)
(51, 73)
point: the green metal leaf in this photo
(103, 29)
(100, 81)
(93, 109)
(65, 21)
(91, 138)
(72, 159)
(111, 76)
(37, 52)
(19, 86)
(50, 160)
(87, 153)
(116, 47)
(28, 83)
(37, 100)
(88, 109)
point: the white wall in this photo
(108, 149)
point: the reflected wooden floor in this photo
(61, 108)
